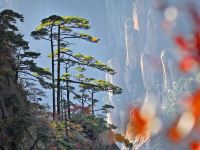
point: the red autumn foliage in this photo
(194, 104)
(173, 134)
(181, 42)
(195, 145)
(140, 124)
(187, 63)
(84, 109)
(191, 60)
(191, 47)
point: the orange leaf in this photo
(139, 123)
(187, 63)
(194, 104)
(197, 40)
(86, 110)
(182, 127)
(173, 134)
(181, 42)
(195, 145)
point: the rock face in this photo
(19, 126)
(12, 107)
(142, 59)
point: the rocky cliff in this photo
(142, 57)
(20, 126)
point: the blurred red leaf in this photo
(173, 134)
(182, 127)
(77, 108)
(195, 145)
(192, 45)
(197, 41)
(187, 63)
(181, 42)
(194, 104)
(139, 125)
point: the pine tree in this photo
(57, 29)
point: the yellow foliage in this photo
(121, 139)
(94, 39)
(53, 124)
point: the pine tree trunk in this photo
(68, 98)
(82, 102)
(17, 68)
(68, 102)
(92, 103)
(66, 124)
(53, 77)
(61, 103)
(58, 74)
